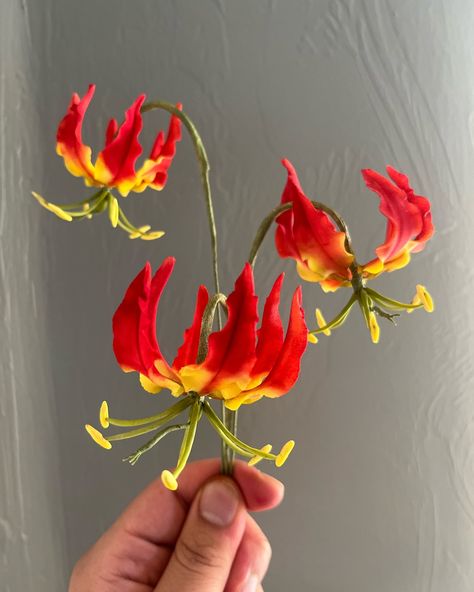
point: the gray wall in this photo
(380, 489)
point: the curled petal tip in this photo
(169, 480)
(98, 437)
(284, 453)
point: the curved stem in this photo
(229, 417)
(206, 326)
(204, 170)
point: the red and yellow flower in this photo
(115, 165)
(321, 246)
(239, 367)
(238, 364)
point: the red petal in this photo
(188, 352)
(408, 216)
(421, 202)
(231, 353)
(164, 156)
(134, 323)
(111, 131)
(270, 334)
(286, 370)
(157, 145)
(308, 235)
(116, 163)
(69, 136)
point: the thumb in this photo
(208, 542)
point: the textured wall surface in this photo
(380, 489)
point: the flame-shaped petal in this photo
(76, 154)
(134, 327)
(409, 224)
(307, 235)
(115, 164)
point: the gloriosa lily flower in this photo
(323, 252)
(115, 166)
(238, 364)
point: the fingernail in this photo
(251, 584)
(219, 503)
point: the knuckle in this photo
(198, 553)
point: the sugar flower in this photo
(320, 244)
(115, 165)
(238, 364)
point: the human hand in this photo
(200, 538)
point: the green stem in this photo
(206, 326)
(204, 170)
(229, 417)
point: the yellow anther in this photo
(374, 327)
(416, 300)
(139, 231)
(257, 458)
(98, 437)
(52, 207)
(284, 453)
(322, 322)
(104, 415)
(113, 211)
(425, 298)
(312, 338)
(152, 235)
(85, 207)
(89, 216)
(169, 480)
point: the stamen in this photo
(60, 213)
(158, 419)
(340, 318)
(230, 439)
(374, 327)
(322, 322)
(152, 235)
(284, 453)
(425, 298)
(104, 415)
(416, 302)
(114, 211)
(312, 338)
(98, 437)
(169, 480)
(257, 458)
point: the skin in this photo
(167, 541)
